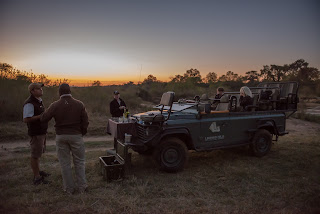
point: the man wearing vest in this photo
(71, 123)
(37, 130)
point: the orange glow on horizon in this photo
(104, 82)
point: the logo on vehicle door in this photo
(214, 128)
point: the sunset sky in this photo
(121, 41)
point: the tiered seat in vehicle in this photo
(281, 96)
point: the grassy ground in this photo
(18, 130)
(222, 181)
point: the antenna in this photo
(140, 73)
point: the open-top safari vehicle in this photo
(176, 127)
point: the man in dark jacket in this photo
(71, 124)
(37, 130)
(117, 105)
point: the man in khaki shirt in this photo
(71, 123)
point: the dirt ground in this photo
(220, 181)
(295, 127)
(301, 127)
(7, 149)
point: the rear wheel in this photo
(171, 155)
(261, 143)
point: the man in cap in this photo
(220, 93)
(117, 105)
(71, 123)
(37, 130)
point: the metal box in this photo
(113, 167)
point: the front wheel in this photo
(171, 155)
(261, 143)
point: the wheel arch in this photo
(268, 125)
(183, 134)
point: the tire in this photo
(171, 155)
(261, 143)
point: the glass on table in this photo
(120, 119)
(115, 119)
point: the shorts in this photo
(38, 145)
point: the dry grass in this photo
(18, 130)
(222, 181)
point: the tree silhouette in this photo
(177, 78)
(211, 77)
(96, 83)
(150, 79)
(6, 70)
(229, 76)
(193, 76)
(274, 73)
(302, 73)
(252, 77)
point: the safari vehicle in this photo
(176, 127)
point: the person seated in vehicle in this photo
(245, 98)
(220, 92)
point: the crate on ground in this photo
(113, 167)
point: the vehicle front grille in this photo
(147, 132)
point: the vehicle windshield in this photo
(181, 107)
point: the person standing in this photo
(71, 123)
(37, 130)
(117, 105)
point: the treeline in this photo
(14, 83)
(192, 82)
(8, 72)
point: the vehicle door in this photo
(214, 130)
(241, 123)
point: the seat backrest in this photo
(275, 85)
(205, 99)
(292, 88)
(167, 98)
(275, 97)
(254, 102)
(224, 103)
(288, 88)
(238, 99)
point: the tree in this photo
(177, 78)
(150, 79)
(300, 71)
(193, 75)
(58, 82)
(130, 83)
(274, 73)
(252, 76)
(211, 77)
(43, 79)
(96, 83)
(229, 76)
(6, 70)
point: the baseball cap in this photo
(116, 92)
(35, 85)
